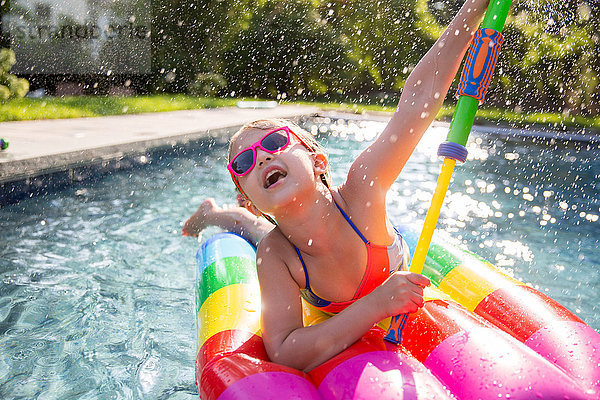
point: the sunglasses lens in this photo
(275, 140)
(243, 161)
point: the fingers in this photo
(185, 231)
(417, 290)
(412, 307)
(418, 279)
(413, 303)
(201, 218)
(416, 297)
(418, 300)
(405, 291)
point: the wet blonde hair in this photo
(270, 124)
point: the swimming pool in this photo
(97, 300)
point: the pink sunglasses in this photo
(274, 141)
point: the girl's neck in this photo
(310, 222)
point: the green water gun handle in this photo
(464, 116)
(475, 79)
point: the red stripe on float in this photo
(222, 373)
(428, 327)
(521, 311)
(231, 341)
(228, 342)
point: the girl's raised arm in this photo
(422, 97)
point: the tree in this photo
(286, 50)
(551, 54)
(189, 37)
(384, 41)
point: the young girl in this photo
(333, 246)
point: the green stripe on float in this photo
(438, 263)
(224, 272)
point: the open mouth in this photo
(274, 177)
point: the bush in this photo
(10, 85)
(207, 84)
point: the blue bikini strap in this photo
(304, 268)
(359, 233)
(347, 218)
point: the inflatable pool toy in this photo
(480, 335)
(256, 104)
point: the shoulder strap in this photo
(304, 268)
(359, 233)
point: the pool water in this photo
(97, 291)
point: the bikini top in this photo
(381, 262)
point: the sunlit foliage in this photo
(287, 50)
(551, 55)
(337, 50)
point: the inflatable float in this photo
(480, 335)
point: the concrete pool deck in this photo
(46, 146)
(47, 153)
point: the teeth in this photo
(270, 174)
(268, 181)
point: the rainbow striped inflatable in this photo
(480, 335)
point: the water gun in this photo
(474, 82)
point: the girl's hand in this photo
(401, 293)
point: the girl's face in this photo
(277, 179)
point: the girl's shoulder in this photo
(276, 253)
(273, 243)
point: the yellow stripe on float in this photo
(312, 315)
(433, 293)
(469, 285)
(231, 307)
